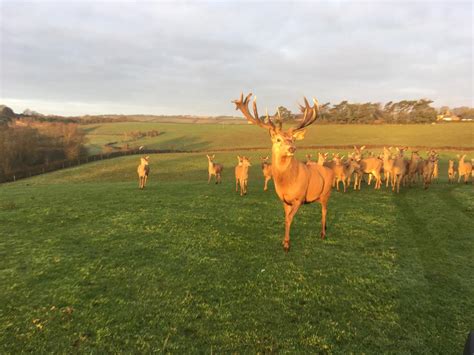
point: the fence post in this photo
(14, 177)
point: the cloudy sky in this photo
(155, 57)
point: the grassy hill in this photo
(219, 136)
(92, 264)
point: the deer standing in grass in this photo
(369, 166)
(428, 169)
(464, 168)
(399, 169)
(242, 174)
(413, 167)
(214, 169)
(295, 182)
(143, 171)
(387, 165)
(267, 171)
(451, 171)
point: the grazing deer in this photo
(295, 182)
(371, 165)
(267, 171)
(464, 168)
(143, 171)
(214, 169)
(242, 174)
(451, 171)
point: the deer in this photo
(451, 171)
(322, 158)
(214, 169)
(143, 171)
(413, 167)
(346, 172)
(308, 159)
(436, 167)
(387, 165)
(399, 169)
(464, 168)
(428, 168)
(370, 165)
(267, 171)
(242, 174)
(295, 182)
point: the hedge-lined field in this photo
(221, 136)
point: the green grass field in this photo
(89, 263)
(192, 137)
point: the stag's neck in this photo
(283, 166)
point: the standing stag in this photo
(143, 171)
(295, 182)
(267, 171)
(214, 169)
(242, 174)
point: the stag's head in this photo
(283, 140)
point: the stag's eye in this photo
(278, 140)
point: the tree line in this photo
(29, 144)
(405, 111)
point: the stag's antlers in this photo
(309, 114)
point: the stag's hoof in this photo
(286, 246)
(323, 235)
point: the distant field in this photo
(91, 264)
(221, 136)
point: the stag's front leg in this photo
(290, 211)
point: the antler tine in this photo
(243, 105)
(309, 114)
(280, 121)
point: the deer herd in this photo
(297, 183)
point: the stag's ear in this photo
(299, 135)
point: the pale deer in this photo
(413, 167)
(295, 182)
(322, 158)
(436, 168)
(399, 169)
(308, 159)
(267, 171)
(242, 174)
(344, 175)
(451, 171)
(143, 171)
(371, 165)
(214, 169)
(387, 165)
(428, 169)
(464, 168)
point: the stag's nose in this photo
(292, 150)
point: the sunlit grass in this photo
(90, 263)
